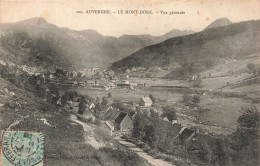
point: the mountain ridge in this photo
(86, 48)
(201, 50)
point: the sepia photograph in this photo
(129, 82)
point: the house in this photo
(76, 99)
(92, 82)
(106, 87)
(124, 122)
(70, 83)
(111, 73)
(59, 101)
(123, 85)
(125, 82)
(75, 107)
(108, 128)
(111, 114)
(146, 102)
(185, 135)
(91, 106)
(51, 76)
(82, 83)
(111, 85)
(100, 87)
(108, 107)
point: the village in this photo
(164, 119)
(116, 118)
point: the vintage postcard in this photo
(129, 82)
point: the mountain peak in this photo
(34, 21)
(90, 32)
(219, 22)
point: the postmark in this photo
(22, 148)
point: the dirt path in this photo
(141, 153)
(90, 139)
(86, 127)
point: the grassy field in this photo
(233, 71)
(223, 106)
(218, 82)
(125, 95)
(222, 110)
(160, 82)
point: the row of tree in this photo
(241, 147)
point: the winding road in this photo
(141, 153)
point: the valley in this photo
(183, 98)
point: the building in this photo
(91, 106)
(108, 127)
(100, 87)
(121, 121)
(75, 107)
(111, 114)
(108, 107)
(92, 82)
(111, 85)
(124, 122)
(82, 83)
(146, 102)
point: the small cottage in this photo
(146, 102)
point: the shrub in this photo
(181, 163)
(97, 122)
(170, 159)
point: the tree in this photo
(220, 154)
(169, 113)
(41, 90)
(247, 129)
(196, 99)
(251, 68)
(53, 88)
(60, 73)
(204, 153)
(79, 74)
(97, 100)
(104, 101)
(119, 105)
(109, 95)
(154, 114)
(149, 130)
(245, 140)
(82, 107)
(65, 98)
(139, 125)
(191, 99)
(152, 98)
(97, 110)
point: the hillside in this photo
(189, 54)
(42, 42)
(110, 49)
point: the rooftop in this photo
(146, 100)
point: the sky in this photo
(198, 14)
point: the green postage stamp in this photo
(22, 148)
